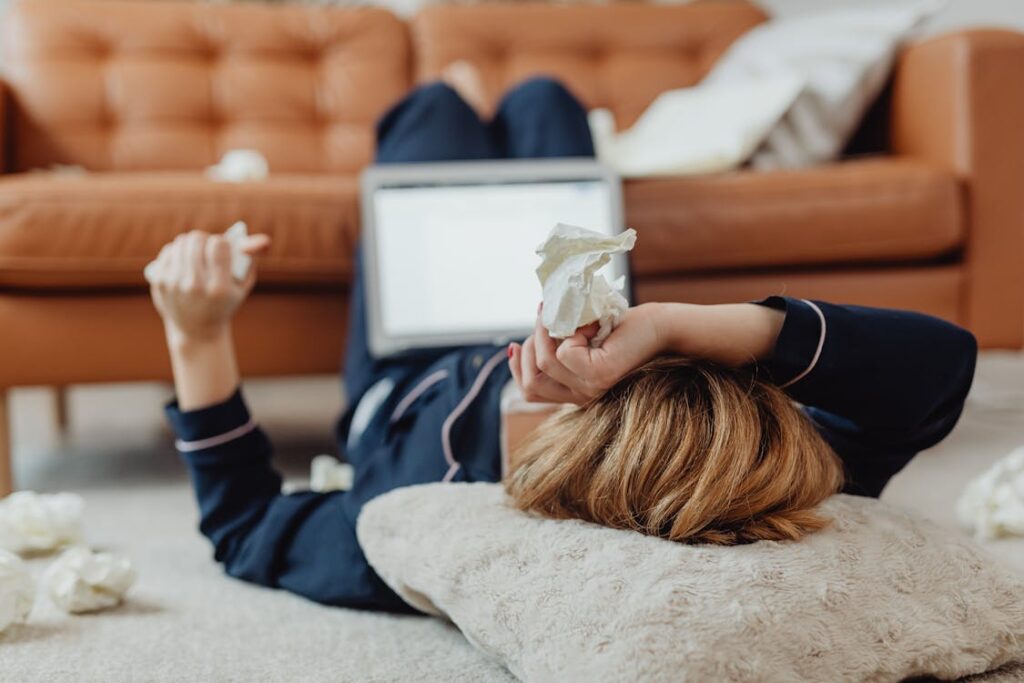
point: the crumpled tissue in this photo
(83, 581)
(327, 473)
(992, 505)
(239, 166)
(575, 294)
(17, 591)
(240, 261)
(33, 522)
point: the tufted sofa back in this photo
(116, 85)
(619, 56)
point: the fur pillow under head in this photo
(879, 595)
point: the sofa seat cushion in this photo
(99, 230)
(874, 210)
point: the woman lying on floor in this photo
(685, 428)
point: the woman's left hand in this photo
(549, 370)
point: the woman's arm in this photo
(880, 385)
(571, 371)
(197, 296)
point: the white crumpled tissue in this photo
(327, 473)
(17, 591)
(992, 505)
(33, 522)
(83, 581)
(575, 294)
(240, 261)
(239, 166)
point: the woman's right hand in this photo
(193, 288)
(571, 371)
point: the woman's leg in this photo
(539, 118)
(431, 124)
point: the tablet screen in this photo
(456, 259)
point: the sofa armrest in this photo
(957, 104)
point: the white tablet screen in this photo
(456, 259)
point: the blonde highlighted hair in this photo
(683, 450)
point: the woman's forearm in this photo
(205, 369)
(730, 334)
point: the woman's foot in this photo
(465, 79)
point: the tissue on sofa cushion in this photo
(879, 595)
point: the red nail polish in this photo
(510, 350)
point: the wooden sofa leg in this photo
(60, 405)
(6, 475)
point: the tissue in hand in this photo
(575, 294)
(83, 581)
(993, 504)
(240, 261)
(17, 592)
(33, 522)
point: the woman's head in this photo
(683, 450)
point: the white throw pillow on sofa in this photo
(843, 58)
(878, 595)
(704, 129)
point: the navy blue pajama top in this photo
(879, 385)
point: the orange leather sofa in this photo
(145, 95)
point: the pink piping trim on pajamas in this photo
(446, 428)
(817, 352)
(219, 440)
(428, 381)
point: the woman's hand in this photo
(193, 288)
(570, 371)
(196, 294)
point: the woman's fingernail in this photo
(511, 350)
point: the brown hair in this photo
(683, 450)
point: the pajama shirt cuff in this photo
(800, 341)
(211, 426)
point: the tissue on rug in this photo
(992, 505)
(33, 522)
(17, 592)
(327, 473)
(575, 294)
(83, 581)
(240, 261)
(240, 166)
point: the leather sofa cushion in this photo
(99, 230)
(115, 85)
(884, 210)
(620, 56)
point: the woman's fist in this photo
(192, 285)
(570, 371)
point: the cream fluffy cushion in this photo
(880, 595)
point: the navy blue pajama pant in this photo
(879, 385)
